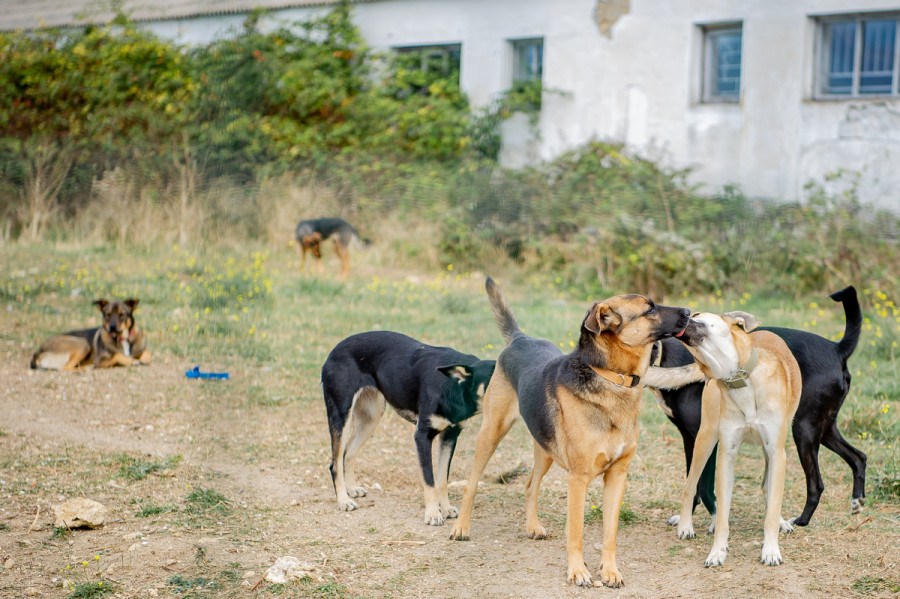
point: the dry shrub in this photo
(121, 212)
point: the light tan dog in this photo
(752, 393)
(581, 408)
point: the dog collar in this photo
(738, 380)
(629, 381)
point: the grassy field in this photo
(222, 478)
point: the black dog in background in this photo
(826, 381)
(436, 388)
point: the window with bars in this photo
(859, 56)
(722, 63)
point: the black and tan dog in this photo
(436, 388)
(311, 234)
(826, 381)
(581, 408)
(118, 342)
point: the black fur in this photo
(826, 381)
(418, 380)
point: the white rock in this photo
(290, 568)
(79, 512)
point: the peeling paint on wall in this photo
(608, 12)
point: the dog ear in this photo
(132, 303)
(744, 320)
(458, 372)
(101, 303)
(600, 318)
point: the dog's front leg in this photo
(446, 444)
(703, 448)
(425, 437)
(613, 494)
(729, 444)
(774, 492)
(578, 571)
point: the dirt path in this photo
(63, 435)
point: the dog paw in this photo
(771, 555)
(449, 512)
(611, 577)
(857, 504)
(348, 505)
(459, 533)
(673, 520)
(786, 526)
(716, 557)
(433, 517)
(356, 492)
(712, 525)
(580, 576)
(537, 532)
(686, 531)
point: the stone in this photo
(79, 513)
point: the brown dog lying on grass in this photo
(118, 342)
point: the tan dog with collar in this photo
(581, 408)
(752, 393)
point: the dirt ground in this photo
(67, 435)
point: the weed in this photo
(180, 584)
(4, 526)
(92, 590)
(626, 515)
(136, 469)
(205, 500)
(60, 532)
(871, 584)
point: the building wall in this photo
(637, 80)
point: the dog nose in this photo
(685, 312)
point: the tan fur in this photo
(595, 428)
(764, 411)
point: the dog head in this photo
(718, 342)
(621, 329)
(634, 320)
(473, 379)
(118, 317)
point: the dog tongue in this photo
(679, 334)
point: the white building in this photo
(767, 95)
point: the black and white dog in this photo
(436, 388)
(826, 381)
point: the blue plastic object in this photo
(195, 373)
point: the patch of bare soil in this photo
(64, 435)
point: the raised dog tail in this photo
(853, 316)
(509, 328)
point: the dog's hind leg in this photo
(807, 443)
(365, 410)
(542, 463)
(856, 459)
(341, 249)
(501, 409)
(368, 407)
